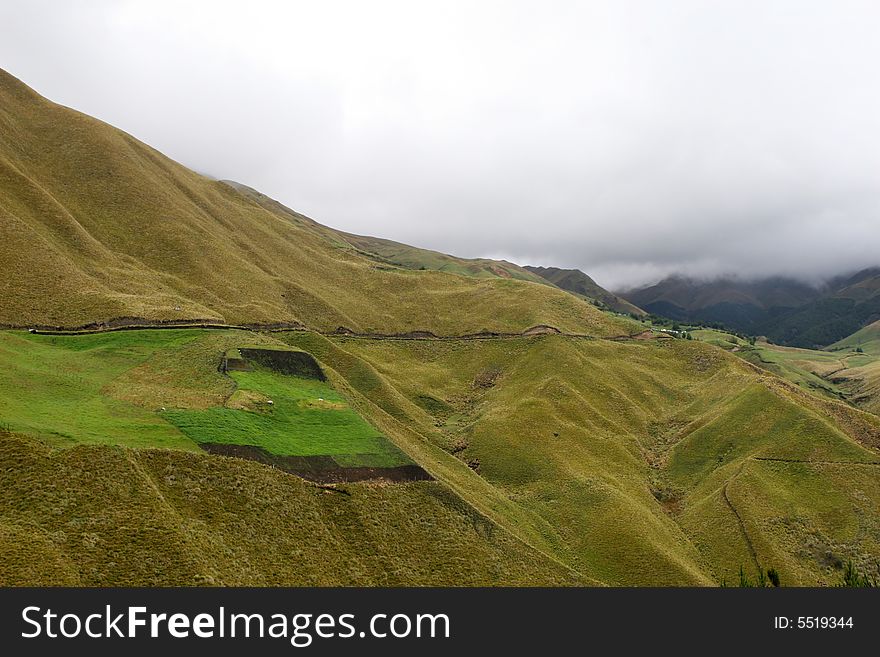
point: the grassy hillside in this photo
(577, 282)
(861, 377)
(95, 225)
(623, 462)
(98, 516)
(622, 459)
(840, 372)
(88, 389)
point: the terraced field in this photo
(86, 389)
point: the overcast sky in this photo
(630, 139)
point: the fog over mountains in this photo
(785, 310)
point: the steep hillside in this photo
(101, 516)
(577, 282)
(95, 225)
(628, 461)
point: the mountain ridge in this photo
(97, 225)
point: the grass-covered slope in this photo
(288, 416)
(90, 389)
(626, 461)
(100, 516)
(95, 225)
(848, 370)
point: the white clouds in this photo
(627, 138)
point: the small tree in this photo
(765, 580)
(853, 578)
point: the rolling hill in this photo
(436, 441)
(577, 282)
(861, 376)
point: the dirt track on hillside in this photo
(135, 324)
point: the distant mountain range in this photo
(787, 311)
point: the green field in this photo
(99, 389)
(55, 388)
(307, 418)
